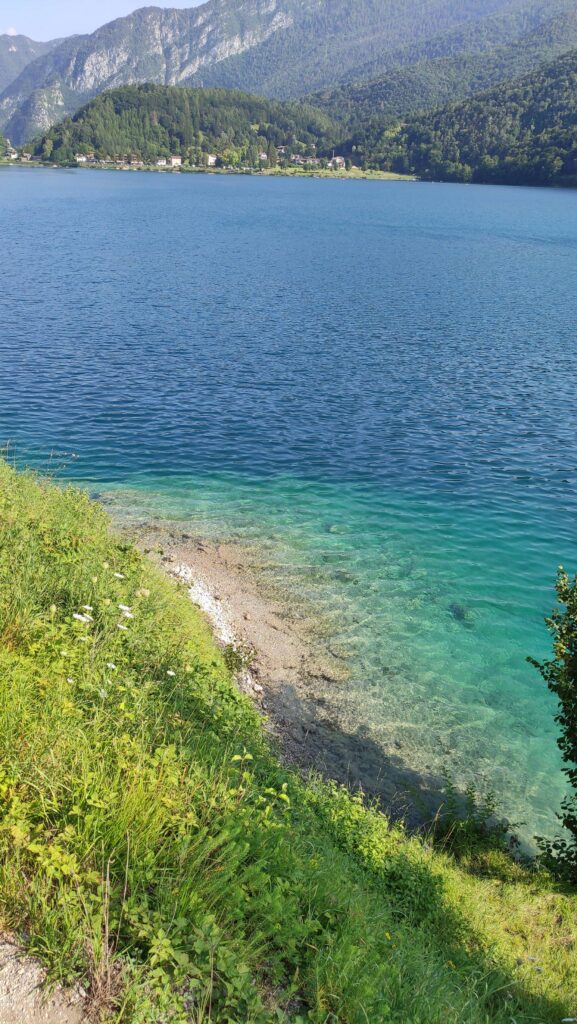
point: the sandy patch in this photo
(23, 996)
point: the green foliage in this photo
(560, 674)
(523, 132)
(152, 121)
(445, 70)
(469, 824)
(152, 845)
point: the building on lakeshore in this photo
(176, 161)
(161, 162)
(211, 160)
(338, 163)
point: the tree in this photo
(560, 674)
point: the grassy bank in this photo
(152, 845)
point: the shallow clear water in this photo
(376, 382)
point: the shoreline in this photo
(281, 658)
(288, 172)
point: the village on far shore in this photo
(175, 161)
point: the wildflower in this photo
(120, 576)
(81, 618)
(128, 615)
(107, 601)
(53, 610)
(170, 672)
(124, 608)
(120, 626)
(110, 664)
(70, 679)
(95, 579)
(388, 936)
(106, 565)
(143, 592)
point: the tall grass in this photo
(152, 845)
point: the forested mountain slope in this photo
(152, 121)
(522, 132)
(429, 84)
(281, 48)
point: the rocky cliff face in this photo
(16, 52)
(152, 45)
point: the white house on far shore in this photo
(176, 161)
(211, 160)
(161, 162)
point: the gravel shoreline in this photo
(291, 673)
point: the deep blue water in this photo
(375, 381)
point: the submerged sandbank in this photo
(289, 668)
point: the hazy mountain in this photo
(15, 53)
(427, 84)
(279, 48)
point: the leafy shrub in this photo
(560, 674)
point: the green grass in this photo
(152, 845)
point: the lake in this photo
(374, 381)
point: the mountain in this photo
(152, 121)
(428, 84)
(16, 52)
(521, 132)
(281, 48)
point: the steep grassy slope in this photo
(151, 843)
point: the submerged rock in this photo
(460, 613)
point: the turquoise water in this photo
(374, 383)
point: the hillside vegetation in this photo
(522, 132)
(152, 845)
(153, 121)
(418, 84)
(283, 49)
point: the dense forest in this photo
(410, 88)
(149, 122)
(523, 131)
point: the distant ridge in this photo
(278, 48)
(16, 52)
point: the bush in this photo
(560, 674)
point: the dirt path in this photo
(24, 1000)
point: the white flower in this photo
(120, 626)
(110, 664)
(170, 672)
(81, 618)
(124, 608)
(70, 679)
(120, 576)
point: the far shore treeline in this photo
(521, 132)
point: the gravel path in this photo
(23, 1000)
